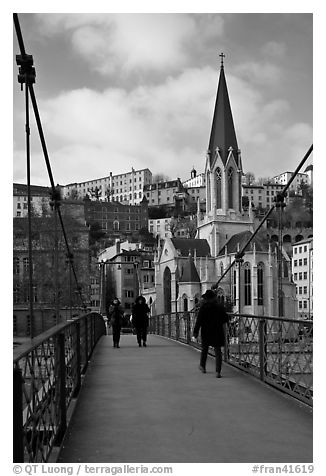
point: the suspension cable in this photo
(25, 61)
(280, 198)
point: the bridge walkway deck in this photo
(153, 405)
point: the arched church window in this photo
(167, 290)
(247, 284)
(221, 269)
(230, 187)
(260, 284)
(208, 194)
(185, 302)
(116, 226)
(234, 287)
(218, 188)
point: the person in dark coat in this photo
(140, 313)
(211, 319)
(115, 320)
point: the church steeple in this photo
(223, 133)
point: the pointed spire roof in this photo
(222, 133)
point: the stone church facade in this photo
(186, 268)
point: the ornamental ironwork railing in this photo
(278, 351)
(46, 377)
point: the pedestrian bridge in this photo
(153, 404)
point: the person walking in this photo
(211, 320)
(115, 320)
(140, 313)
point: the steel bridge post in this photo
(177, 326)
(188, 324)
(18, 434)
(62, 389)
(262, 349)
(78, 360)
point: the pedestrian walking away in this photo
(115, 320)
(212, 321)
(140, 312)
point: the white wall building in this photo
(160, 227)
(125, 188)
(40, 200)
(262, 195)
(302, 272)
(284, 178)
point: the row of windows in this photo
(21, 293)
(116, 226)
(113, 191)
(300, 276)
(122, 198)
(300, 249)
(302, 290)
(303, 304)
(248, 284)
(300, 262)
(17, 265)
(24, 206)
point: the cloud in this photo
(274, 49)
(166, 128)
(260, 73)
(127, 42)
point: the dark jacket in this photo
(115, 316)
(140, 314)
(211, 319)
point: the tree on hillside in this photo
(160, 177)
(249, 178)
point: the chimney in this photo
(117, 246)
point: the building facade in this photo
(170, 194)
(160, 227)
(263, 196)
(125, 188)
(40, 200)
(300, 178)
(115, 219)
(127, 275)
(302, 271)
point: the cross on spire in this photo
(222, 56)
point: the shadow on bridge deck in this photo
(147, 405)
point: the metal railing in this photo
(278, 351)
(46, 377)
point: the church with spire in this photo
(224, 216)
(185, 268)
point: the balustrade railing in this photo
(279, 351)
(46, 376)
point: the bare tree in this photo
(250, 178)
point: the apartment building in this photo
(302, 272)
(262, 196)
(116, 219)
(40, 200)
(125, 188)
(160, 227)
(128, 274)
(171, 194)
(285, 177)
(196, 188)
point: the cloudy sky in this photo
(117, 91)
